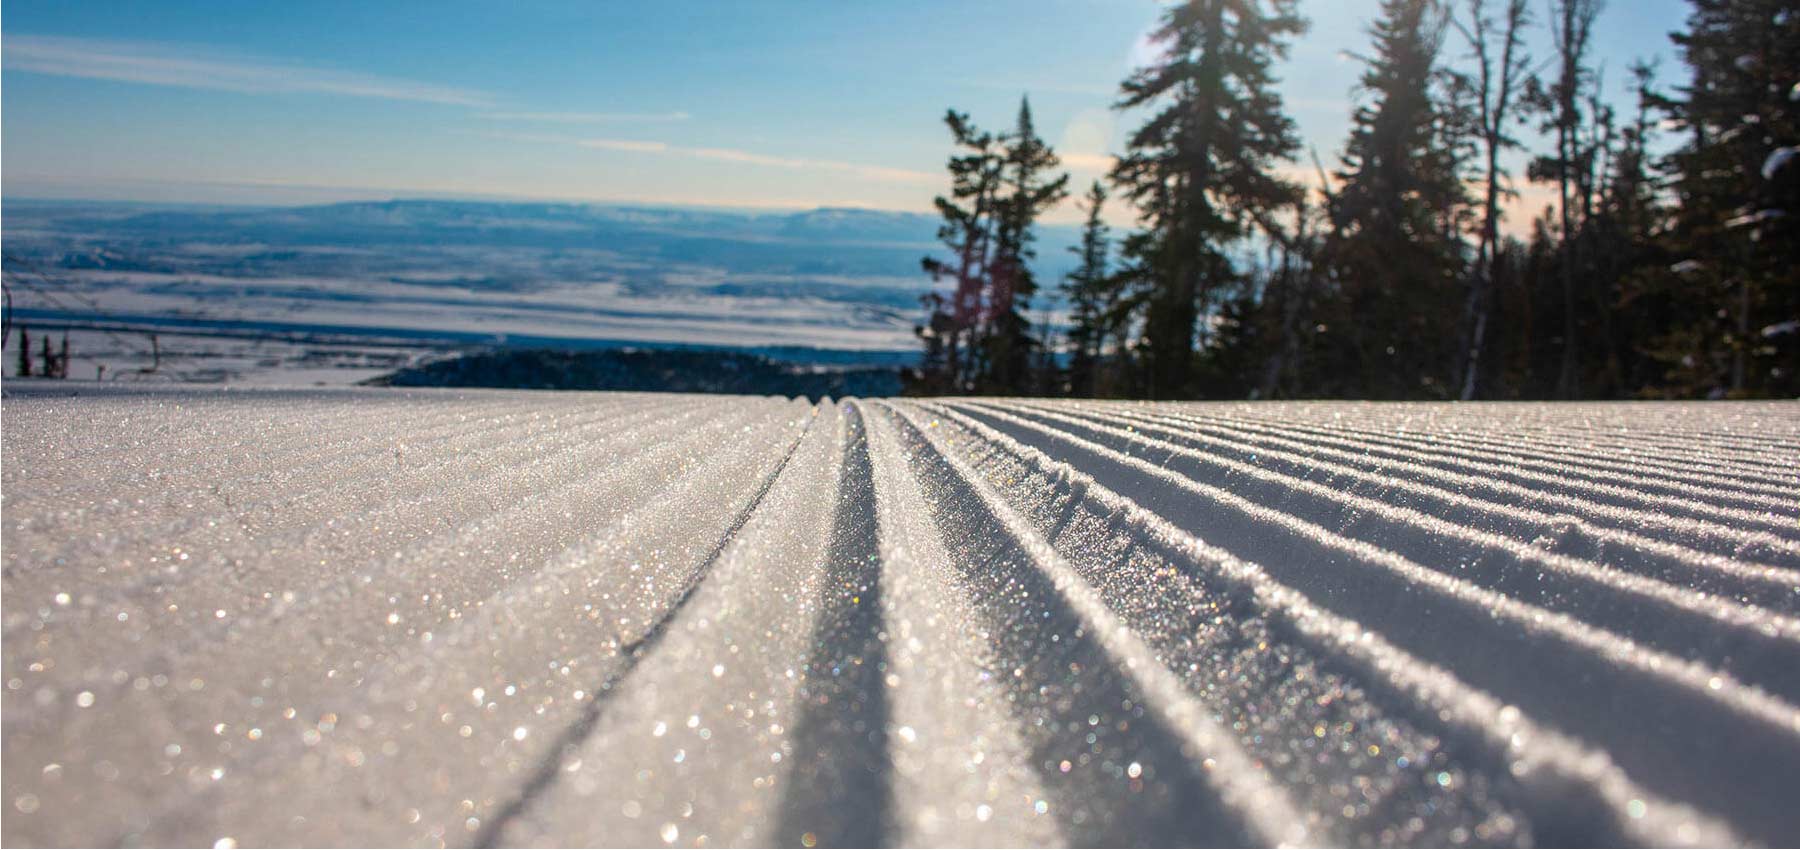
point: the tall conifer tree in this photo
(1395, 249)
(1090, 295)
(955, 355)
(1030, 188)
(1736, 238)
(1201, 168)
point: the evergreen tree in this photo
(1200, 169)
(1735, 281)
(1090, 294)
(954, 353)
(1030, 191)
(939, 335)
(1395, 250)
(1673, 276)
(1625, 249)
(1289, 310)
(978, 339)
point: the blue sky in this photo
(762, 104)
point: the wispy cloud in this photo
(161, 65)
(867, 172)
(624, 145)
(589, 117)
(871, 172)
(252, 190)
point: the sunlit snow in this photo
(382, 617)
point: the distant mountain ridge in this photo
(843, 282)
(823, 241)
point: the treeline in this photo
(646, 370)
(54, 363)
(1665, 267)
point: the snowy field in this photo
(179, 358)
(327, 617)
(456, 274)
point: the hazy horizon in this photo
(700, 105)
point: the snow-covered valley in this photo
(436, 617)
(298, 295)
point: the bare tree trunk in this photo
(1571, 27)
(1496, 99)
(1743, 335)
(1568, 380)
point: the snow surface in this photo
(497, 618)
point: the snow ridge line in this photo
(1485, 437)
(321, 471)
(942, 661)
(1541, 758)
(1624, 519)
(1712, 606)
(487, 607)
(304, 536)
(1242, 785)
(1661, 509)
(1648, 421)
(420, 550)
(762, 604)
(1727, 442)
(293, 440)
(289, 419)
(1279, 695)
(1671, 453)
(516, 456)
(1443, 452)
(581, 553)
(838, 784)
(630, 652)
(1715, 685)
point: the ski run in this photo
(485, 618)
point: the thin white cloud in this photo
(589, 117)
(161, 65)
(252, 190)
(872, 172)
(867, 172)
(624, 145)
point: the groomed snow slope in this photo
(489, 618)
